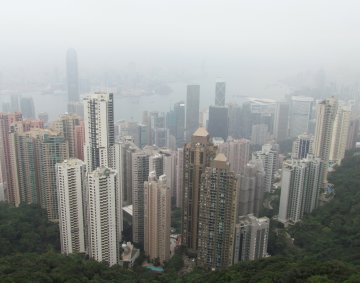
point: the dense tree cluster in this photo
(324, 247)
(26, 229)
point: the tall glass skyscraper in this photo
(72, 76)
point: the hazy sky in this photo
(259, 38)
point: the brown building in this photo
(157, 222)
(6, 119)
(79, 140)
(37, 152)
(217, 215)
(66, 124)
(197, 156)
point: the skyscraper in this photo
(169, 169)
(25, 161)
(66, 125)
(43, 116)
(302, 146)
(340, 134)
(325, 117)
(14, 103)
(217, 215)
(192, 110)
(197, 156)
(53, 149)
(99, 129)
(234, 120)
(157, 222)
(353, 131)
(237, 152)
(300, 187)
(72, 75)
(6, 119)
(251, 238)
(218, 125)
(76, 107)
(103, 211)
(79, 140)
(70, 183)
(220, 89)
(140, 173)
(281, 121)
(179, 176)
(27, 107)
(179, 112)
(300, 115)
(251, 189)
(269, 157)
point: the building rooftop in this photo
(201, 132)
(128, 209)
(73, 162)
(220, 157)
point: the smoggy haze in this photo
(248, 43)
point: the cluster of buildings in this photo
(92, 174)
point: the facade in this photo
(76, 107)
(220, 89)
(281, 121)
(269, 157)
(197, 156)
(218, 124)
(260, 134)
(179, 111)
(99, 129)
(300, 187)
(102, 214)
(192, 110)
(179, 177)
(10, 193)
(251, 238)
(237, 152)
(235, 120)
(169, 169)
(251, 189)
(43, 116)
(157, 214)
(72, 76)
(27, 107)
(140, 173)
(300, 115)
(353, 131)
(326, 112)
(79, 140)
(52, 149)
(217, 215)
(302, 146)
(66, 125)
(257, 119)
(25, 162)
(340, 135)
(70, 183)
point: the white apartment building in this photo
(157, 218)
(251, 238)
(99, 129)
(300, 187)
(70, 182)
(103, 211)
(270, 159)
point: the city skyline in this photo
(180, 138)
